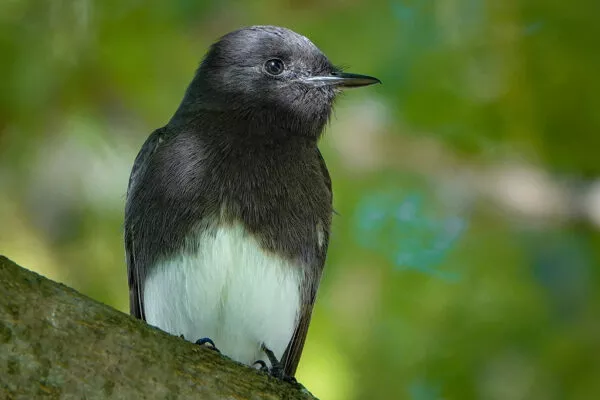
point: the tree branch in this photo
(57, 343)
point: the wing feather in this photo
(292, 354)
(135, 271)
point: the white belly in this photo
(226, 288)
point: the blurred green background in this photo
(464, 261)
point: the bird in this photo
(229, 205)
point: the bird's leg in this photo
(207, 342)
(276, 368)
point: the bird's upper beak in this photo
(342, 79)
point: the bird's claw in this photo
(207, 342)
(262, 366)
(276, 369)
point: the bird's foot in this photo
(261, 366)
(276, 369)
(207, 342)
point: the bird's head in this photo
(268, 74)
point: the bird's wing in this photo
(291, 357)
(135, 271)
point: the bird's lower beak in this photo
(343, 79)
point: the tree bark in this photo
(56, 343)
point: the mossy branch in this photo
(59, 344)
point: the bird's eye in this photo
(274, 66)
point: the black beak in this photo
(343, 79)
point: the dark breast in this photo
(278, 189)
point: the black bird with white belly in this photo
(229, 205)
